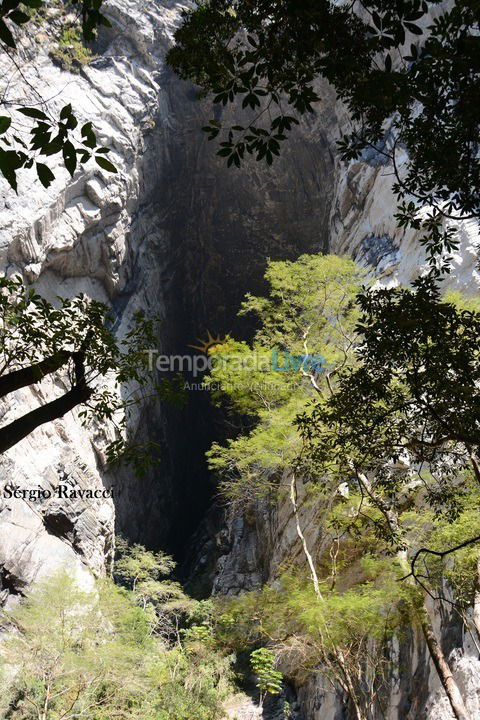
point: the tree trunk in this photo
(444, 673)
(348, 685)
(18, 429)
(47, 700)
(311, 565)
(476, 601)
(438, 658)
(32, 374)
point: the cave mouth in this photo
(192, 481)
(221, 226)
(190, 432)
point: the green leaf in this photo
(105, 164)
(19, 17)
(8, 5)
(32, 3)
(414, 28)
(65, 112)
(45, 175)
(377, 20)
(10, 161)
(89, 135)
(33, 113)
(19, 141)
(69, 157)
(5, 123)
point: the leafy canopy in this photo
(268, 679)
(95, 654)
(305, 335)
(388, 469)
(412, 404)
(409, 80)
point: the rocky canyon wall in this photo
(177, 234)
(173, 233)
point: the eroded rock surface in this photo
(177, 234)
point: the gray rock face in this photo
(99, 234)
(178, 235)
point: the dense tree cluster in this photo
(101, 651)
(386, 460)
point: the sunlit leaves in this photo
(413, 400)
(308, 311)
(112, 652)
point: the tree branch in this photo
(32, 374)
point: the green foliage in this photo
(458, 569)
(70, 51)
(268, 680)
(412, 401)
(268, 57)
(88, 11)
(50, 133)
(74, 337)
(91, 653)
(135, 564)
(75, 651)
(146, 575)
(389, 432)
(305, 337)
(342, 633)
(461, 301)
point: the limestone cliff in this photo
(177, 234)
(98, 234)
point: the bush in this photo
(70, 52)
(99, 654)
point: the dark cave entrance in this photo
(222, 225)
(222, 233)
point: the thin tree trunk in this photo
(32, 374)
(348, 684)
(443, 669)
(311, 565)
(474, 461)
(476, 601)
(47, 700)
(347, 681)
(438, 658)
(18, 429)
(441, 665)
